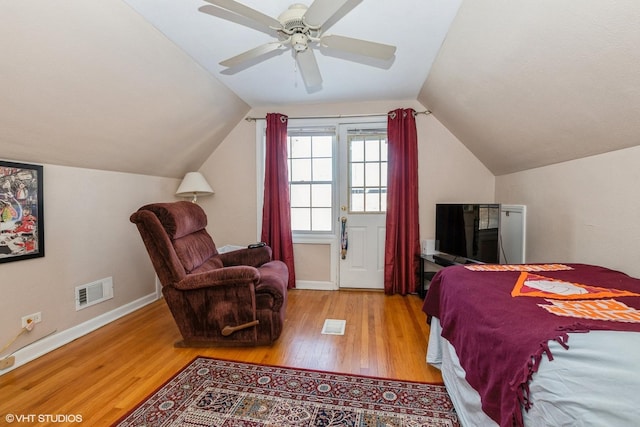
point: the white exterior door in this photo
(363, 205)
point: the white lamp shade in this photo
(194, 184)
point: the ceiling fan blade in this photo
(247, 12)
(321, 10)
(360, 47)
(251, 54)
(309, 68)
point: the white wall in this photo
(448, 173)
(88, 237)
(231, 172)
(583, 211)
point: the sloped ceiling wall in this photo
(530, 83)
(521, 83)
(92, 84)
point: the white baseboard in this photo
(57, 340)
(316, 285)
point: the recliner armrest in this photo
(254, 257)
(235, 275)
(273, 281)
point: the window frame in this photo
(320, 131)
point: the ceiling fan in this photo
(300, 27)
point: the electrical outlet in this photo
(35, 318)
(7, 362)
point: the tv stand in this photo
(447, 260)
(431, 264)
(428, 268)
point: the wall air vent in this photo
(94, 293)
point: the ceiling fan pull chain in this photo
(295, 70)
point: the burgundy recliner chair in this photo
(230, 299)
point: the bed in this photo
(537, 344)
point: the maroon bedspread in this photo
(500, 339)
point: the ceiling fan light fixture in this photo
(299, 42)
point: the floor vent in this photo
(94, 293)
(334, 327)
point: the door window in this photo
(367, 180)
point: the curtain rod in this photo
(337, 116)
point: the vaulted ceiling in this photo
(530, 83)
(135, 85)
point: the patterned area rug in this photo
(211, 392)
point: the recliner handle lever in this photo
(228, 330)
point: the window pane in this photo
(321, 219)
(372, 150)
(322, 169)
(383, 174)
(357, 150)
(357, 175)
(357, 200)
(300, 195)
(301, 219)
(300, 170)
(372, 174)
(321, 195)
(372, 200)
(384, 150)
(300, 147)
(323, 146)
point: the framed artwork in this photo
(21, 212)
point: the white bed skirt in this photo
(595, 383)
(441, 354)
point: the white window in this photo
(367, 168)
(311, 163)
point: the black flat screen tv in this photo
(468, 232)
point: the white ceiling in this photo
(416, 27)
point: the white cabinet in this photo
(513, 222)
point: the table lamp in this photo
(193, 184)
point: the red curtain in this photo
(402, 246)
(276, 211)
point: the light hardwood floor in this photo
(106, 373)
